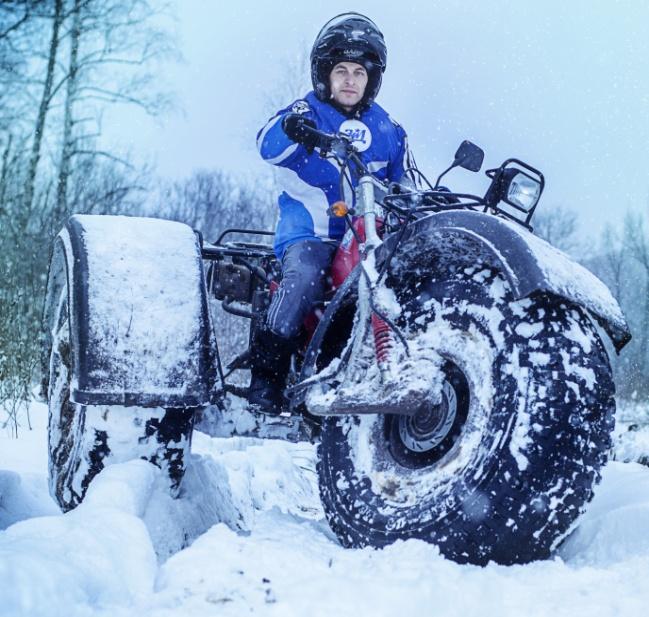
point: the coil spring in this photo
(382, 340)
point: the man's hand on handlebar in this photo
(303, 131)
(296, 127)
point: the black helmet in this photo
(349, 37)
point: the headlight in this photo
(513, 192)
(523, 191)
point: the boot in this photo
(269, 365)
(266, 393)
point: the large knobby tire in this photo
(83, 439)
(501, 469)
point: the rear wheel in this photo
(83, 439)
(502, 467)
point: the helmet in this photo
(349, 37)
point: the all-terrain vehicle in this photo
(455, 378)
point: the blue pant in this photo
(305, 268)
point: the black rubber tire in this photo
(539, 415)
(83, 439)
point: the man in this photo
(347, 63)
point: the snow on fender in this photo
(529, 263)
(138, 307)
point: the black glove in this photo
(296, 127)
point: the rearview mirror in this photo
(469, 156)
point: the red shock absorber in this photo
(382, 341)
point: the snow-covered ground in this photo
(256, 542)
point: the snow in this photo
(570, 279)
(247, 536)
(632, 434)
(144, 305)
(529, 330)
(587, 375)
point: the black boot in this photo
(269, 365)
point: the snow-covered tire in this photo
(503, 467)
(83, 439)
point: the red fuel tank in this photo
(348, 254)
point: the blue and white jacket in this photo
(311, 184)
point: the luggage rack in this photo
(219, 249)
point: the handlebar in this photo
(402, 200)
(341, 145)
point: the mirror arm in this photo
(453, 166)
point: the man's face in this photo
(347, 82)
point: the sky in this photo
(562, 85)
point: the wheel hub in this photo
(424, 438)
(428, 427)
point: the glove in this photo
(296, 128)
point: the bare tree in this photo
(615, 258)
(45, 102)
(622, 262)
(105, 186)
(16, 19)
(211, 201)
(13, 15)
(4, 173)
(107, 38)
(637, 243)
(95, 54)
(559, 227)
(67, 144)
(294, 81)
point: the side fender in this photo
(138, 313)
(529, 263)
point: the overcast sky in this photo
(563, 85)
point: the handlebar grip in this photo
(318, 133)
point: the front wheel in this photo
(503, 465)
